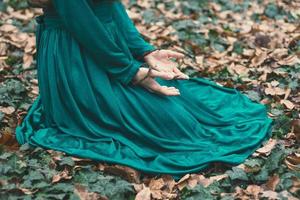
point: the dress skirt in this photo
(82, 111)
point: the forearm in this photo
(136, 43)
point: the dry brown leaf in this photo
(295, 124)
(144, 194)
(156, 184)
(200, 60)
(288, 104)
(166, 195)
(238, 69)
(28, 191)
(181, 183)
(274, 90)
(19, 37)
(193, 181)
(83, 193)
(24, 15)
(272, 182)
(9, 140)
(279, 53)
(138, 187)
(249, 52)
(169, 182)
(267, 148)
(7, 110)
(207, 181)
(125, 172)
(296, 185)
(3, 49)
(259, 58)
(270, 194)
(156, 194)
(61, 176)
(80, 159)
(287, 93)
(27, 60)
(253, 191)
(290, 60)
(274, 83)
(293, 161)
(8, 28)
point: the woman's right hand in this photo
(152, 85)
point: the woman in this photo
(96, 101)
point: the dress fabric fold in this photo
(86, 57)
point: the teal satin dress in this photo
(87, 54)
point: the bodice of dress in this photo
(103, 9)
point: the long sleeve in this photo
(80, 20)
(137, 45)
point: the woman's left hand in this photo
(160, 60)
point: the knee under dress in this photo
(87, 54)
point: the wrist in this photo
(138, 74)
(142, 56)
(149, 52)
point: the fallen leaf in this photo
(144, 194)
(83, 193)
(272, 182)
(61, 176)
(7, 110)
(125, 172)
(266, 149)
(288, 104)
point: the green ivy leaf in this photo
(271, 10)
(196, 193)
(238, 47)
(67, 161)
(253, 95)
(253, 162)
(34, 175)
(6, 155)
(237, 173)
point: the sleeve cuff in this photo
(135, 66)
(142, 52)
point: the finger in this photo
(172, 92)
(168, 91)
(163, 75)
(164, 90)
(174, 54)
(171, 89)
(180, 74)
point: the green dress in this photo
(87, 54)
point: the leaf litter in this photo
(253, 46)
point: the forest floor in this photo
(250, 45)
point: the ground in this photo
(253, 46)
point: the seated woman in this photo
(99, 100)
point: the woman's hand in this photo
(160, 60)
(145, 78)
